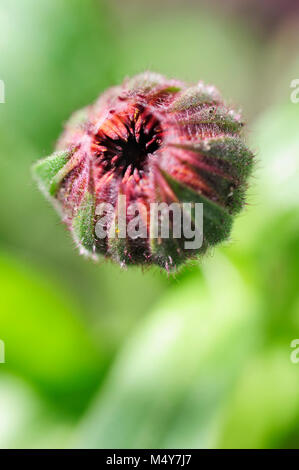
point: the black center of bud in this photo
(125, 141)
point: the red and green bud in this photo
(147, 142)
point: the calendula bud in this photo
(151, 173)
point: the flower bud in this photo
(132, 170)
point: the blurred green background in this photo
(101, 357)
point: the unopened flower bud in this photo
(151, 148)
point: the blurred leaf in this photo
(265, 242)
(45, 340)
(274, 188)
(277, 138)
(265, 405)
(56, 56)
(282, 62)
(191, 44)
(172, 378)
(25, 420)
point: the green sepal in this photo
(194, 97)
(45, 171)
(230, 149)
(226, 119)
(83, 223)
(217, 222)
(117, 246)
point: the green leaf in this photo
(173, 377)
(63, 57)
(264, 407)
(45, 339)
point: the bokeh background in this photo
(101, 357)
